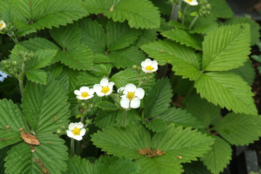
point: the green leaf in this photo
(87, 79)
(132, 118)
(122, 142)
(105, 118)
(54, 70)
(106, 105)
(228, 90)
(37, 76)
(205, 24)
(180, 118)
(51, 153)
(78, 165)
(39, 14)
(247, 72)
(220, 48)
(156, 125)
(127, 76)
(195, 167)
(239, 129)
(146, 37)
(41, 104)
(207, 112)
(101, 69)
(164, 6)
(139, 13)
(93, 35)
(218, 157)
(253, 26)
(3, 154)
(38, 43)
(158, 99)
(68, 79)
(10, 116)
(184, 38)
(182, 58)
(177, 24)
(220, 9)
(128, 57)
(120, 35)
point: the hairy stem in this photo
(183, 15)
(72, 147)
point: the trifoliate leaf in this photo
(182, 58)
(132, 118)
(203, 110)
(220, 9)
(101, 69)
(11, 120)
(106, 105)
(228, 90)
(239, 129)
(156, 125)
(220, 48)
(45, 107)
(158, 99)
(120, 35)
(37, 76)
(180, 118)
(105, 118)
(139, 13)
(247, 72)
(184, 38)
(218, 157)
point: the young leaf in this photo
(45, 107)
(139, 13)
(228, 90)
(182, 58)
(220, 48)
(106, 105)
(203, 110)
(218, 157)
(158, 99)
(184, 38)
(11, 121)
(120, 35)
(37, 76)
(239, 129)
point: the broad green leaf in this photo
(158, 99)
(32, 15)
(11, 120)
(122, 142)
(181, 86)
(180, 118)
(218, 157)
(3, 154)
(164, 6)
(68, 79)
(38, 43)
(87, 79)
(220, 9)
(247, 72)
(221, 48)
(185, 143)
(132, 118)
(184, 38)
(127, 76)
(78, 165)
(120, 35)
(203, 110)
(177, 24)
(106, 105)
(156, 125)
(37, 76)
(138, 13)
(253, 26)
(146, 37)
(228, 90)
(54, 70)
(93, 35)
(105, 118)
(205, 24)
(51, 153)
(126, 58)
(42, 104)
(239, 129)
(42, 58)
(182, 58)
(101, 69)
(101, 58)
(195, 167)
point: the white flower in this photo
(2, 25)
(191, 2)
(76, 131)
(84, 93)
(149, 66)
(132, 96)
(104, 88)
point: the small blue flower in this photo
(3, 76)
(2, 79)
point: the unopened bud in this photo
(208, 6)
(88, 121)
(14, 63)
(59, 131)
(134, 67)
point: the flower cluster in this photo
(3, 76)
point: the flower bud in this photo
(88, 121)
(14, 63)
(134, 67)
(59, 131)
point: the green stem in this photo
(193, 22)
(184, 12)
(72, 147)
(188, 94)
(78, 143)
(180, 3)
(21, 79)
(124, 118)
(13, 37)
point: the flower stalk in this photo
(72, 146)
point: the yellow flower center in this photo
(1, 24)
(76, 131)
(130, 95)
(150, 68)
(189, 0)
(85, 94)
(105, 89)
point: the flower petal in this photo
(111, 84)
(140, 93)
(77, 92)
(121, 89)
(81, 98)
(69, 133)
(100, 94)
(125, 103)
(104, 82)
(146, 71)
(148, 61)
(83, 132)
(135, 103)
(79, 125)
(84, 89)
(91, 92)
(130, 88)
(90, 96)
(144, 64)
(77, 137)
(97, 87)
(110, 91)
(71, 126)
